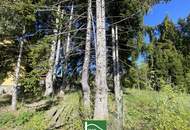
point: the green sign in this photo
(95, 125)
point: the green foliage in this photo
(137, 77)
(15, 16)
(38, 58)
(31, 83)
(39, 54)
(131, 80)
(7, 58)
(168, 54)
(168, 31)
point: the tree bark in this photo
(49, 76)
(58, 52)
(117, 86)
(69, 29)
(14, 89)
(59, 41)
(101, 104)
(114, 56)
(94, 30)
(85, 74)
(58, 46)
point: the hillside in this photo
(143, 110)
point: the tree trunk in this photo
(49, 76)
(85, 74)
(58, 46)
(94, 30)
(114, 56)
(101, 104)
(117, 86)
(58, 52)
(69, 29)
(67, 49)
(14, 89)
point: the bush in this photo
(31, 83)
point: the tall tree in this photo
(101, 98)
(16, 18)
(68, 45)
(52, 59)
(49, 76)
(116, 76)
(58, 46)
(163, 58)
(85, 71)
(17, 72)
(69, 29)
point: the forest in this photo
(65, 62)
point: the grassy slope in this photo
(143, 110)
(149, 110)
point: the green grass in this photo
(148, 110)
(143, 110)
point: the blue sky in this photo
(175, 9)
